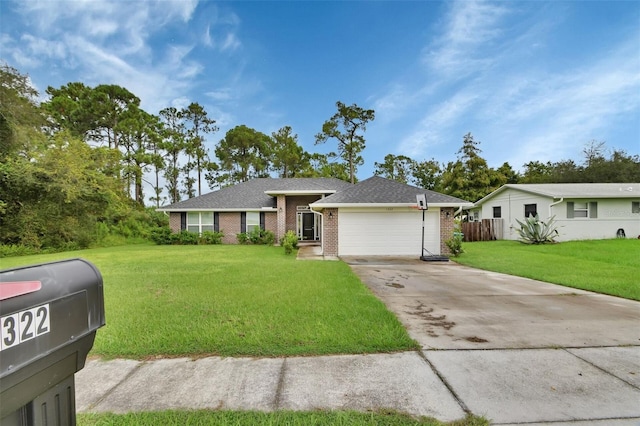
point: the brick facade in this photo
(174, 221)
(447, 226)
(271, 224)
(230, 226)
(330, 232)
(291, 209)
(280, 222)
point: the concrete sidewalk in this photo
(593, 386)
(402, 381)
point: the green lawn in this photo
(249, 418)
(604, 266)
(232, 300)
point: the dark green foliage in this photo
(257, 236)
(244, 154)
(345, 126)
(261, 236)
(535, 231)
(161, 236)
(288, 158)
(289, 242)
(185, 238)
(211, 237)
(243, 238)
(395, 167)
(455, 242)
(164, 236)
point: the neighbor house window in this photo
(582, 209)
(635, 207)
(497, 212)
(530, 210)
(199, 222)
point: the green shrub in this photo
(535, 231)
(242, 238)
(161, 236)
(268, 238)
(17, 250)
(455, 242)
(211, 237)
(260, 236)
(187, 238)
(289, 242)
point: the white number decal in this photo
(23, 326)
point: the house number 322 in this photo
(23, 326)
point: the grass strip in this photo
(288, 418)
(603, 266)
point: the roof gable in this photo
(571, 190)
(252, 194)
(378, 190)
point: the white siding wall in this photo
(386, 232)
(512, 204)
(613, 214)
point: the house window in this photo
(497, 212)
(253, 221)
(582, 209)
(199, 222)
(530, 210)
(635, 207)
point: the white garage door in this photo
(387, 232)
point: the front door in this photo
(307, 224)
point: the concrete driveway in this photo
(513, 349)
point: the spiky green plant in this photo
(535, 231)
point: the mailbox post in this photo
(49, 315)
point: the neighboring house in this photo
(582, 210)
(373, 217)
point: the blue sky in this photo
(530, 80)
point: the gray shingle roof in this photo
(251, 194)
(573, 190)
(378, 190)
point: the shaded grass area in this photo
(604, 266)
(232, 301)
(238, 418)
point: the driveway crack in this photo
(446, 383)
(600, 368)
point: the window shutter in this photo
(569, 209)
(262, 220)
(593, 210)
(183, 221)
(216, 221)
(243, 221)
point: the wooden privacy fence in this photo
(484, 230)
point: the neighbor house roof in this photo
(572, 190)
(258, 194)
(380, 191)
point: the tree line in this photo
(73, 168)
(470, 177)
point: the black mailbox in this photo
(49, 315)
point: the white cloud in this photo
(206, 38)
(436, 122)
(469, 25)
(220, 95)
